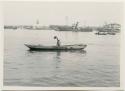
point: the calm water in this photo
(96, 66)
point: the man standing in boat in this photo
(58, 41)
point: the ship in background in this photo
(74, 27)
(109, 29)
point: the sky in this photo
(60, 13)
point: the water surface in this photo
(96, 66)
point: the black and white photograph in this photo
(63, 90)
(62, 44)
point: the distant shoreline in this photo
(113, 27)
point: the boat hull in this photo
(53, 48)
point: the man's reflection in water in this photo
(58, 59)
(58, 54)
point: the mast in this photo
(76, 26)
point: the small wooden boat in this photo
(101, 33)
(62, 47)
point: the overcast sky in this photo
(87, 13)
